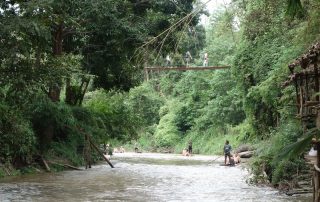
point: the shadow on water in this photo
(143, 177)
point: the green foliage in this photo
(17, 143)
(268, 152)
(27, 170)
(167, 132)
(295, 8)
(285, 170)
(115, 114)
(146, 139)
(47, 45)
(296, 148)
(2, 173)
(49, 121)
(261, 62)
(145, 103)
(247, 103)
(68, 150)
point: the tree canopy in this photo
(70, 65)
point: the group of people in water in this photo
(119, 150)
(108, 150)
(229, 157)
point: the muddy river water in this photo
(144, 177)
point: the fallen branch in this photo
(295, 192)
(65, 165)
(45, 164)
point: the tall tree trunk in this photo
(83, 91)
(54, 89)
(74, 94)
(70, 94)
(58, 40)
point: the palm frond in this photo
(297, 147)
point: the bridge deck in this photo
(184, 68)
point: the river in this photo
(143, 177)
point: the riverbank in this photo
(52, 165)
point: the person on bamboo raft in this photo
(227, 152)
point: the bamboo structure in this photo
(305, 77)
(150, 70)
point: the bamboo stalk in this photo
(98, 150)
(45, 164)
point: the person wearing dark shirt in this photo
(227, 152)
(190, 148)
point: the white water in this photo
(144, 177)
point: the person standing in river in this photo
(190, 148)
(227, 152)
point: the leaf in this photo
(297, 147)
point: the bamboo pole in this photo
(100, 152)
(317, 176)
(313, 186)
(45, 164)
(316, 80)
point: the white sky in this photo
(211, 7)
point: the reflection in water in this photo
(143, 177)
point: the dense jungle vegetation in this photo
(70, 65)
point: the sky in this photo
(211, 7)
